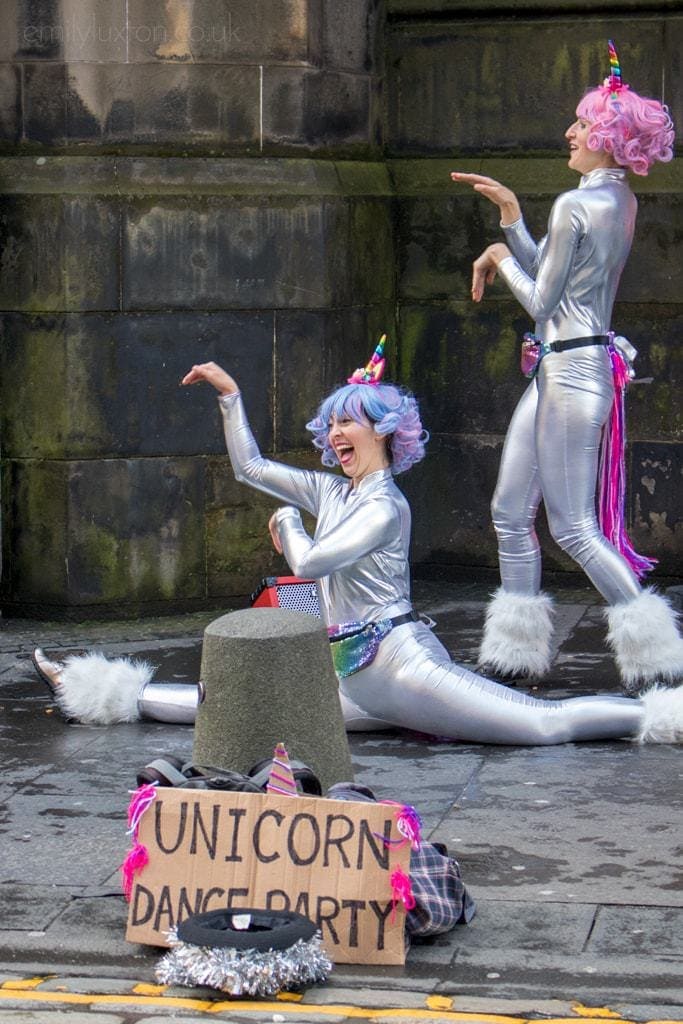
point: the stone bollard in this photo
(269, 677)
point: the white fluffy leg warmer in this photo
(517, 634)
(97, 691)
(643, 633)
(663, 715)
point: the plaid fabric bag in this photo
(441, 899)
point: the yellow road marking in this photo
(594, 1011)
(437, 1007)
(439, 1002)
(26, 983)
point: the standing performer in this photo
(568, 283)
(392, 670)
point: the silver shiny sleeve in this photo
(286, 483)
(371, 527)
(522, 246)
(541, 297)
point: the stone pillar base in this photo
(269, 678)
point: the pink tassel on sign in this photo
(612, 473)
(408, 823)
(137, 857)
(401, 892)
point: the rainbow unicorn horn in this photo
(372, 372)
(613, 82)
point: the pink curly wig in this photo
(392, 411)
(635, 130)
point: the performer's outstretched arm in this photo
(286, 483)
(524, 248)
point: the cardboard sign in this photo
(326, 859)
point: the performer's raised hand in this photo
(503, 197)
(213, 374)
(485, 267)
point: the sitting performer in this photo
(399, 674)
(567, 283)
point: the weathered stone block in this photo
(463, 364)
(461, 86)
(316, 109)
(35, 517)
(44, 101)
(135, 531)
(215, 253)
(352, 34)
(229, 176)
(211, 30)
(655, 506)
(673, 71)
(10, 105)
(303, 344)
(120, 376)
(106, 534)
(658, 238)
(439, 236)
(653, 408)
(369, 256)
(457, 530)
(239, 550)
(188, 105)
(43, 244)
(36, 30)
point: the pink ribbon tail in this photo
(612, 474)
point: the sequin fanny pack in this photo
(533, 349)
(354, 645)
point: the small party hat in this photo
(281, 778)
(372, 372)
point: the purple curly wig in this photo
(635, 130)
(392, 411)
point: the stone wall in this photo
(265, 183)
(180, 182)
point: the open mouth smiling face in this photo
(358, 448)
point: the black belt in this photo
(563, 346)
(400, 620)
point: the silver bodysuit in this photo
(567, 283)
(359, 556)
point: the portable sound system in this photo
(287, 592)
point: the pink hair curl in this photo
(635, 130)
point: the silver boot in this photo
(170, 702)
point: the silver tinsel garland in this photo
(244, 971)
